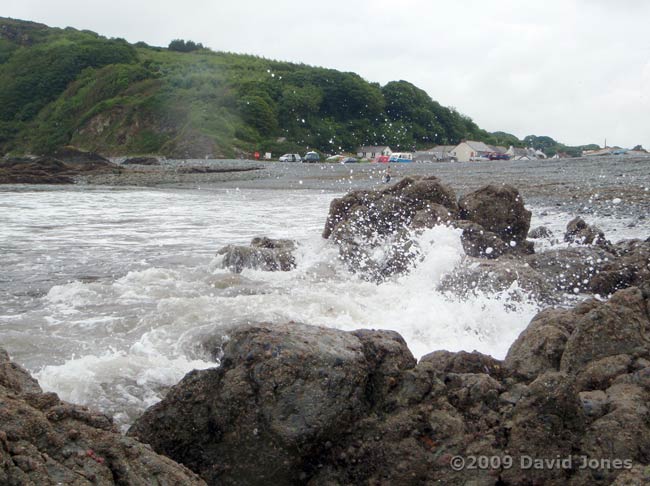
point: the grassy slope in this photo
(64, 86)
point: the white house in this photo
(470, 150)
(517, 153)
(371, 151)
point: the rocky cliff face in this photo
(296, 404)
(44, 441)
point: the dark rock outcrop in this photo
(498, 209)
(45, 441)
(43, 170)
(374, 229)
(61, 168)
(295, 404)
(281, 397)
(630, 266)
(264, 253)
(141, 161)
(501, 275)
(75, 156)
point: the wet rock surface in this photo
(45, 441)
(373, 229)
(62, 167)
(376, 234)
(297, 404)
(263, 253)
(578, 231)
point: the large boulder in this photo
(281, 394)
(45, 441)
(498, 209)
(267, 254)
(374, 229)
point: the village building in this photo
(471, 150)
(371, 152)
(439, 153)
(519, 153)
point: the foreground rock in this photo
(61, 168)
(44, 441)
(267, 254)
(295, 404)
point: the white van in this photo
(401, 157)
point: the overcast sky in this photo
(576, 70)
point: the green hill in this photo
(69, 87)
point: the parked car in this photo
(382, 159)
(497, 156)
(311, 157)
(290, 158)
(349, 160)
(401, 157)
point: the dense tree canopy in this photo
(62, 86)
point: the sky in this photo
(575, 70)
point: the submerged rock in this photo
(296, 404)
(540, 232)
(578, 231)
(45, 441)
(264, 253)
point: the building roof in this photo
(373, 148)
(519, 152)
(442, 148)
(478, 146)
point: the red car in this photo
(382, 159)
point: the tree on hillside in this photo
(181, 45)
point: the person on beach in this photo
(387, 175)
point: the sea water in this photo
(109, 296)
